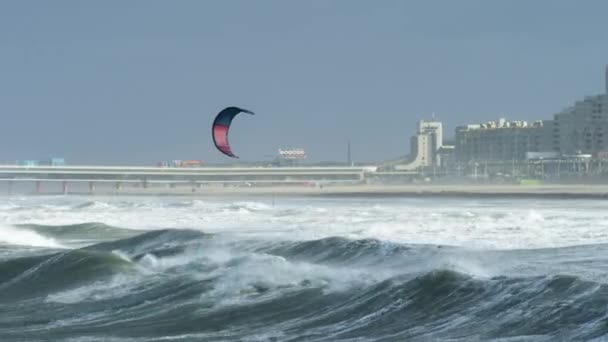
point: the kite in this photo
(221, 126)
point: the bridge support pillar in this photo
(10, 188)
(92, 187)
(117, 186)
(38, 187)
(65, 188)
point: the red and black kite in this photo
(221, 126)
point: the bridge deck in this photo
(170, 174)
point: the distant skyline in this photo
(136, 82)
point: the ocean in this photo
(302, 269)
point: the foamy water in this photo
(498, 224)
(23, 237)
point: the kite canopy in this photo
(221, 126)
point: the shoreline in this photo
(372, 191)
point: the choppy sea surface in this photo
(302, 269)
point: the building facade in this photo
(424, 146)
(502, 140)
(583, 128)
(434, 130)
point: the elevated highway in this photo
(195, 177)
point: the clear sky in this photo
(136, 82)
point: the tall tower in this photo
(434, 131)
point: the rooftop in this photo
(502, 123)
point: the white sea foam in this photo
(25, 237)
(473, 223)
(118, 286)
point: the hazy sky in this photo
(135, 82)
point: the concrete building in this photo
(424, 147)
(502, 140)
(582, 128)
